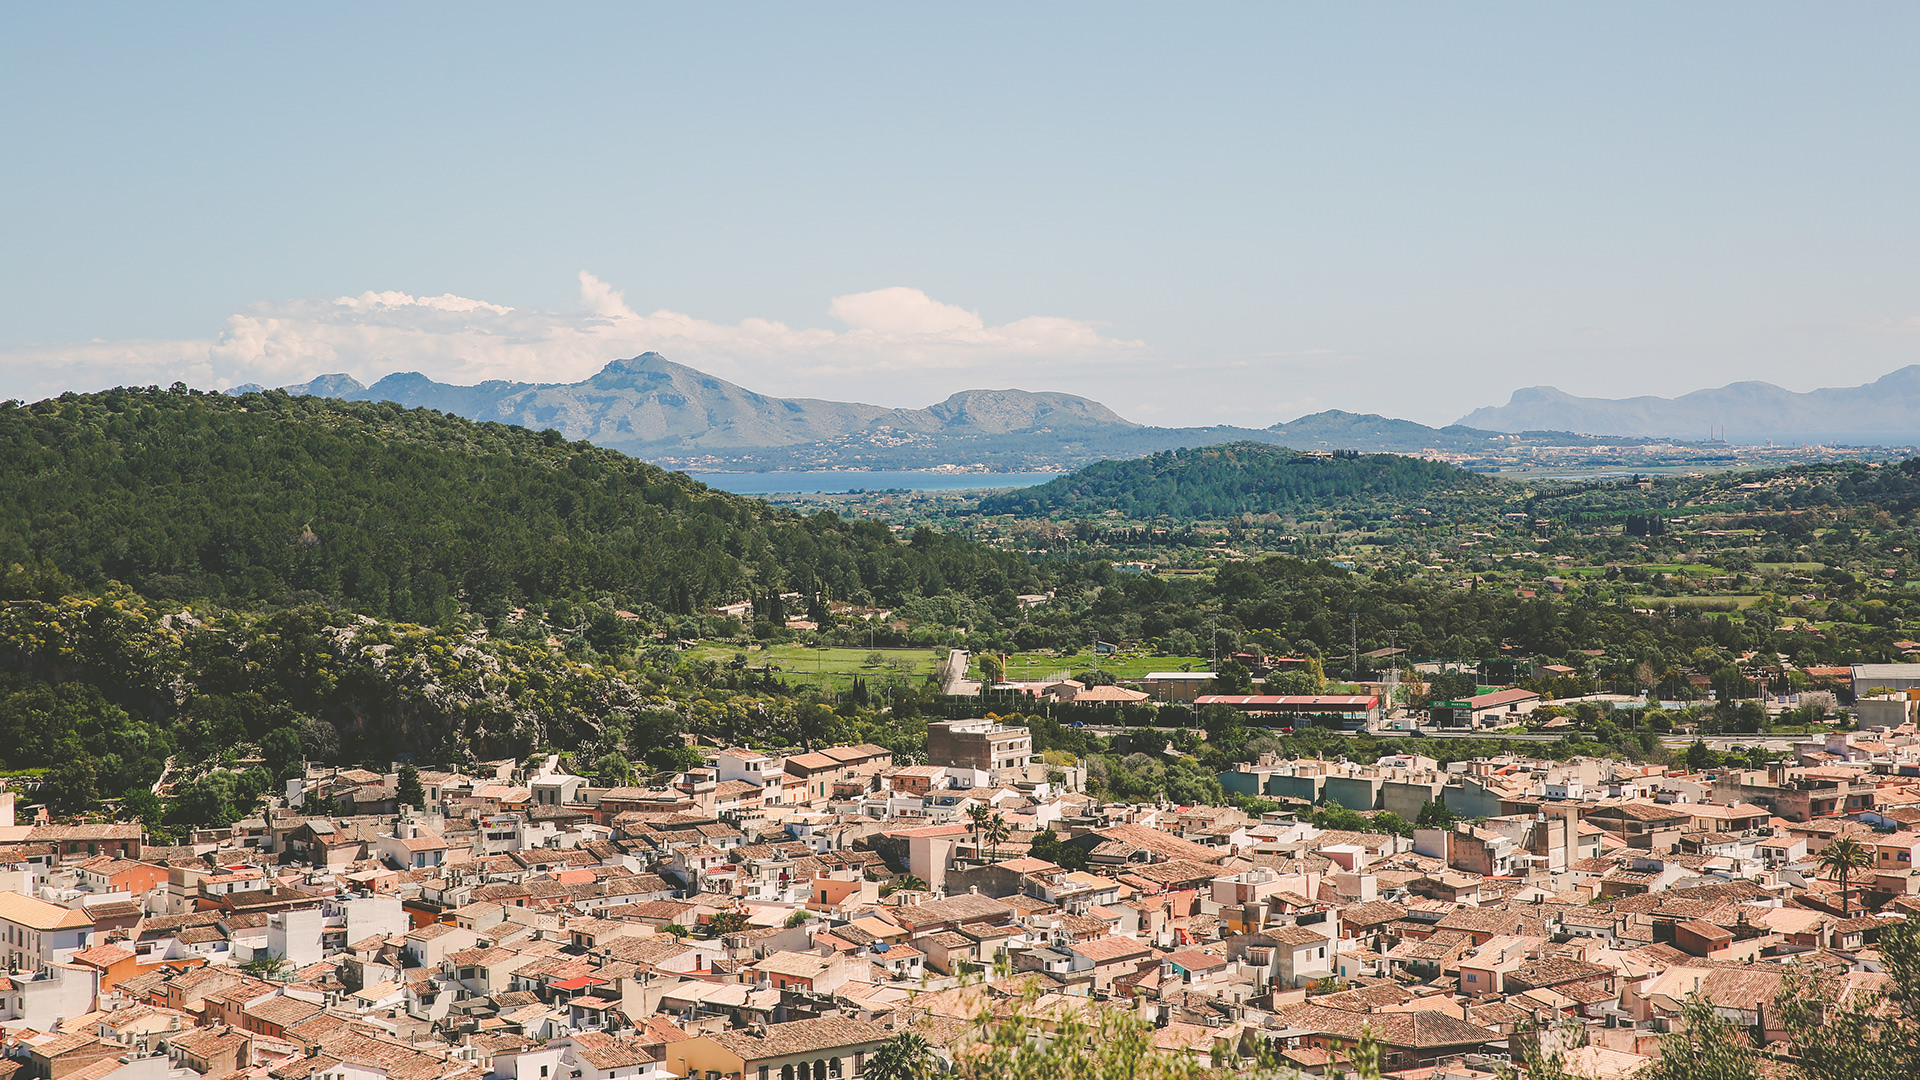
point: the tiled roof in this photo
(802, 1037)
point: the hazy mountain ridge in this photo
(651, 407)
(1886, 410)
(650, 404)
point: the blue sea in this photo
(832, 483)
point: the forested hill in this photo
(409, 513)
(1236, 478)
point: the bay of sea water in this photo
(833, 483)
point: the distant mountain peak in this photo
(335, 385)
(649, 403)
(1886, 410)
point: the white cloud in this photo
(894, 341)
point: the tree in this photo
(206, 801)
(1048, 847)
(410, 793)
(1435, 815)
(1109, 1042)
(799, 918)
(992, 669)
(1296, 682)
(143, 806)
(1451, 686)
(1705, 1046)
(1232, 677)
(1840, 859)
(1869, 1035)
(725, 922)
(906, 1056)
(997, 833)
(271, 966)
(674, 929)
(71, 786)
(978, 815)
(1700, 756)
(613, 770)
(1046, 844)
(282, 750)
(1179, 642)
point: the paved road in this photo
(955, 675)
(1778, 743)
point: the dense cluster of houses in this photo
(782, 916)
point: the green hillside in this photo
(1236, 478)
(269, 499)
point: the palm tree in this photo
(1841, 858)
(997, 833)
(906, 1056)
(979, 814)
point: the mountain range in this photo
(678, 416)
(1884, 411)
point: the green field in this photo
(1027, 666)
(1768, 567)
(831, 668)
(1729, 602)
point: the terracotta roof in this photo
(1419, 1030)
(801, 1037)
(604, 1051)
(40, 915)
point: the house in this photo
(764, 771)
(1107, 957)
(1644, 825)
(76, 843)
(806, 972)
(1301, 954)
(990, 747)
(110, 873)
(410, 846)
(599, 1056)
(826, 1048)
(210, 1051)
(35, 933)
(1485, 710)
(1407, 1039)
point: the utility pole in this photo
(1393, 669)
(1353, 645)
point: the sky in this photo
(1195, 214)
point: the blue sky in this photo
(1196, 214)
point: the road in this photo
(955, 675)
(1778, 743)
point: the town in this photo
(803, 915)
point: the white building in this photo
(34, 933)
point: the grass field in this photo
(832, 668)
(1040, 665)
(1768, 567)
(1730, 602)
